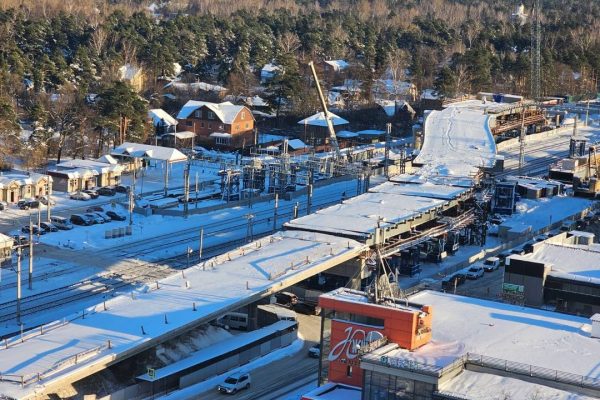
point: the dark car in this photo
(121, 189)
(94, 209)
(306, 308)
(106, 191)
(78, 219)
(450, 282)
(93, 194)
(27, 204)
(20, 240)
(502, 256)
(36, 230)
(286, 298)
(48, 227)
(116, 216)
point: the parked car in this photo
(475, 272)
(106, 191)
(95, 218)
(20, 240)
(490, 264)
(35, 230)
(518, 252)
(116, 216)
(80, 219)
(102, 215)
(3, 206)
(450, 282)
(48, 227)
(93, 194)
(234, 383)
(307, 308)
(26, 204)
(61, 223)
(94, 209)
(121, 189)
(315, 351)
(80, 196)
(286, 298)
(45, 200)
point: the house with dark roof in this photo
(218, 125)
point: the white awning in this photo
(182, 135)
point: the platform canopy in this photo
(319, 120)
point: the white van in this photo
(61, 223)
(234, 320)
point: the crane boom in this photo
(332, 137)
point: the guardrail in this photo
(568, 378)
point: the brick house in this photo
(224, 125)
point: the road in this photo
(273, 381)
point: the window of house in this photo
(237, 127)
(211, 115)
(189, 123)
(221, 127)
(197, 114)
(223, 140)
(209, 126)
(201, 124)
(243, 115)
(349, 370)
(247, 125)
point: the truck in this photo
(268, 314)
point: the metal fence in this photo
(533, 371)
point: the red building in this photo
(224, 125)
(357, 325)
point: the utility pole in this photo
(249, 230)
(587, 113)
(19, 250)
(166, 177)
(39, 224)
(196, 190)
(30, 257)
(186, 188)
(309, 191)
(522, 144)
(49, 197)
(388, 137)
(130, 205)
(275, 211)
(201, 244)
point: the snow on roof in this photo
(296, 144)
(75, 173)
(583, 261)
(476, 385)
(509, 332)
(225, 111)
(204, 86)
(269, 138)
(457, 141)
(359, 216)
(334, 391)
(220, 135)
(160, 116)
(5, 241)
(255, 271)
(236, 342)
(128, 72)
(182, 134)
(318, 119)
(346, 134)
(97, 166)
(270, 68)
(140, 150)
(338, 65)
(426, 189)
(438, 180)
(108, 159)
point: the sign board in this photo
(512, 288)
(151, 373)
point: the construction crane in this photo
(332, 138)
